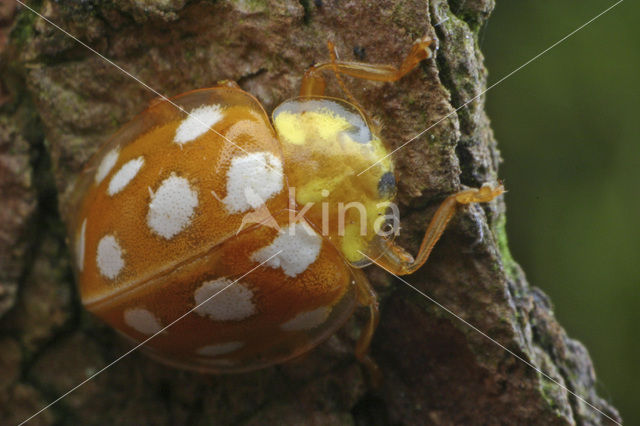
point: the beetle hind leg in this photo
(367, 298)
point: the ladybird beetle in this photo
(185, 202)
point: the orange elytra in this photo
(257, 226)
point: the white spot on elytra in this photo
(124, 175)
(172, 206)
(219, 349)
(109, 257)
(108, 161)
(80, 242)
(142, 320)
(299, 246)
(307, 320)
(251, 180)
(233, 303)
(197, 123)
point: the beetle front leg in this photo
(398, 261)
(313, 83)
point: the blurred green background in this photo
(568, 125)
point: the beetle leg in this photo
(313, 83)
(398, 261)
(367, 297)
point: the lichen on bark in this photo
(437, 370)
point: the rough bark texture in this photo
(60, 102)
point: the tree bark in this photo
(60, 102)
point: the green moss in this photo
(474, 17)
(549, 392)
(454, 71)
(510, 265)
(252, 6)
(546, 390)
(23, 30)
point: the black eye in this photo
(387, 185)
